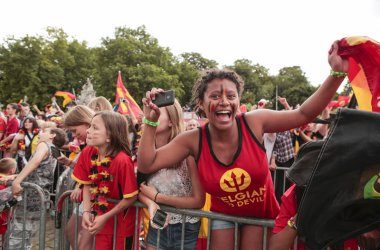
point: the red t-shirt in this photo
(123, 184)
(12, 127)
(3, 126)
(3, 215)
(244, 187)
(289, 209)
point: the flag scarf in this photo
(363, 70)
(342, 195)
(67, 97)
(341, 102)
(122, 92)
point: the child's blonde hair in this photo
(78, 115)
(49, 124)
(7, 164)
(100, 103)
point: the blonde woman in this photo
(77, 121)
(100, 103)
(178, 186)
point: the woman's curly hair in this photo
(207, 76)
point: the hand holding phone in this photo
(165, 98)
(159, 219)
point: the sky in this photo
(272, 33)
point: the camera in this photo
(165, 98)
(159, 218)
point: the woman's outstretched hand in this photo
(337, 63)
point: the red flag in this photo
(243, 108)
(67, 97)
(333, 104)
(343, 100)
(363, 70)
(122, 92)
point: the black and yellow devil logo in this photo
(235, 180)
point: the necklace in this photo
(101, 181)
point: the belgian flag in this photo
(67, 97)
(364, 70)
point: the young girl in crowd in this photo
(22, 142)
(178, 186)
(105, 169)
(39, 170)
(77, 121)
(232, 163)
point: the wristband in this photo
(87, 211)
(337, 73)
(150, 123)
(155, 197)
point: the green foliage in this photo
(142, 62)
(38, 66)
(258, 82)
(292, 83)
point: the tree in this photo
(37, 67)
(293, 84)
(198, 61)
(258, 82)
(142, 62)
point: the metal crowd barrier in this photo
(61, 214)
(42, 228)
(64, 208)
(280, 182)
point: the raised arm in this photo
(151, 159)
(274, 121)
(41, 152)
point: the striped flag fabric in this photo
(67, 97)
(364, 70)
(122, 92)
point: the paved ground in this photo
(49, 242)
(49, 236)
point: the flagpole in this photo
(276, 97)
(74, 95)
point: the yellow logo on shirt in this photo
(235, 180)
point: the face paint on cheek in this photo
(233, 107)
(211, 107)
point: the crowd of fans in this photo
(159, 159)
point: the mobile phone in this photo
(55, 152)
(165, 98)
(159, 218)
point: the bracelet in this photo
(337, 73)
(155, 197)
(150, 123)
(87, 211)
(292, 224)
